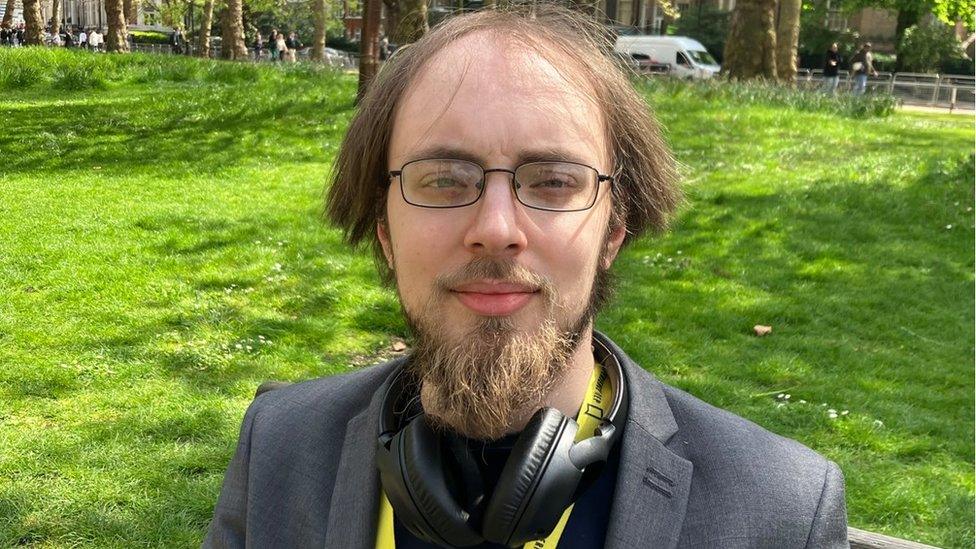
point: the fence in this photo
(950, 91)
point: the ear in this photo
(614, 241)
(383, 233)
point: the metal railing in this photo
(952, 91)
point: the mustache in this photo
(496, 269)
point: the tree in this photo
(34, 26)
(56, 17)
(320, 14)
(910, 12)
(115, 38)
(411, 22)
(8, 15)
(787, 39)
(203, 42)
(369, 45)
(131, 14)
(232, 44)
(750, 51)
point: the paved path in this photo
(937, 110)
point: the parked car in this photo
(685, 57)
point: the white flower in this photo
(878, 423)
(238, 346)
(780, 404)
(803, 402)
(831, 411)
(787, 396)
(781, 395)
(844, 413)
(832, 415)
(249, 348)
(277, 266)
(949, 227)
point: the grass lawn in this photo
(162, 253)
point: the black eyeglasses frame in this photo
(514, 184)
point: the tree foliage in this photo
(926, 47)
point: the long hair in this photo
(645, 190)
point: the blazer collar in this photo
(653, 483)
(651, 492)
(354, 508)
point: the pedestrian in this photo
(281, 46)
(95, 40)
(54, 39)
(19, 35)
(293, 44)
(69, 39)
(384, 49)
(862, 64)
(175, 41)
(82, 39)
(258, 46)
(5, 34)
(831, 66)
(273, 44)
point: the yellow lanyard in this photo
(598, 396)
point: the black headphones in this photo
(435, 486)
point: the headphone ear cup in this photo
(538, 472)
(430, 510)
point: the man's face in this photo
(487, 278)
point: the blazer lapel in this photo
(354, 507)
(653, 483)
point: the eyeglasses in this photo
(449, 183)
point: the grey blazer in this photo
(690, 475)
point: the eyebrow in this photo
(546, 154)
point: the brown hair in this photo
(645, 186)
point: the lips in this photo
(494, 298)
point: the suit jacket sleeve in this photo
(227, 529)
(829, 528)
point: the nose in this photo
(496, 229)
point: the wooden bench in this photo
(859, 538)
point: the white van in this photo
(686, 57)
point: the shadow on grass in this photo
(195, 131)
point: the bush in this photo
(149, 37)
(737, 93)
(926, 46)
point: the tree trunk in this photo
(131, 14)
(369, 45)
(56, 17)
(320, 16)
(392, 19)
(232, 44)
(750, 51)
(115, 37)
(413, 22)
(206, 21)
(787, 39)
(33, 25)
(8, 15)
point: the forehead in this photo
(497, 100)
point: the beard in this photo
(480, 380)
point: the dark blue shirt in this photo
(587, 526)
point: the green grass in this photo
(161, 253)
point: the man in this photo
(831, 66)
(862, 64)
(497, 166)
